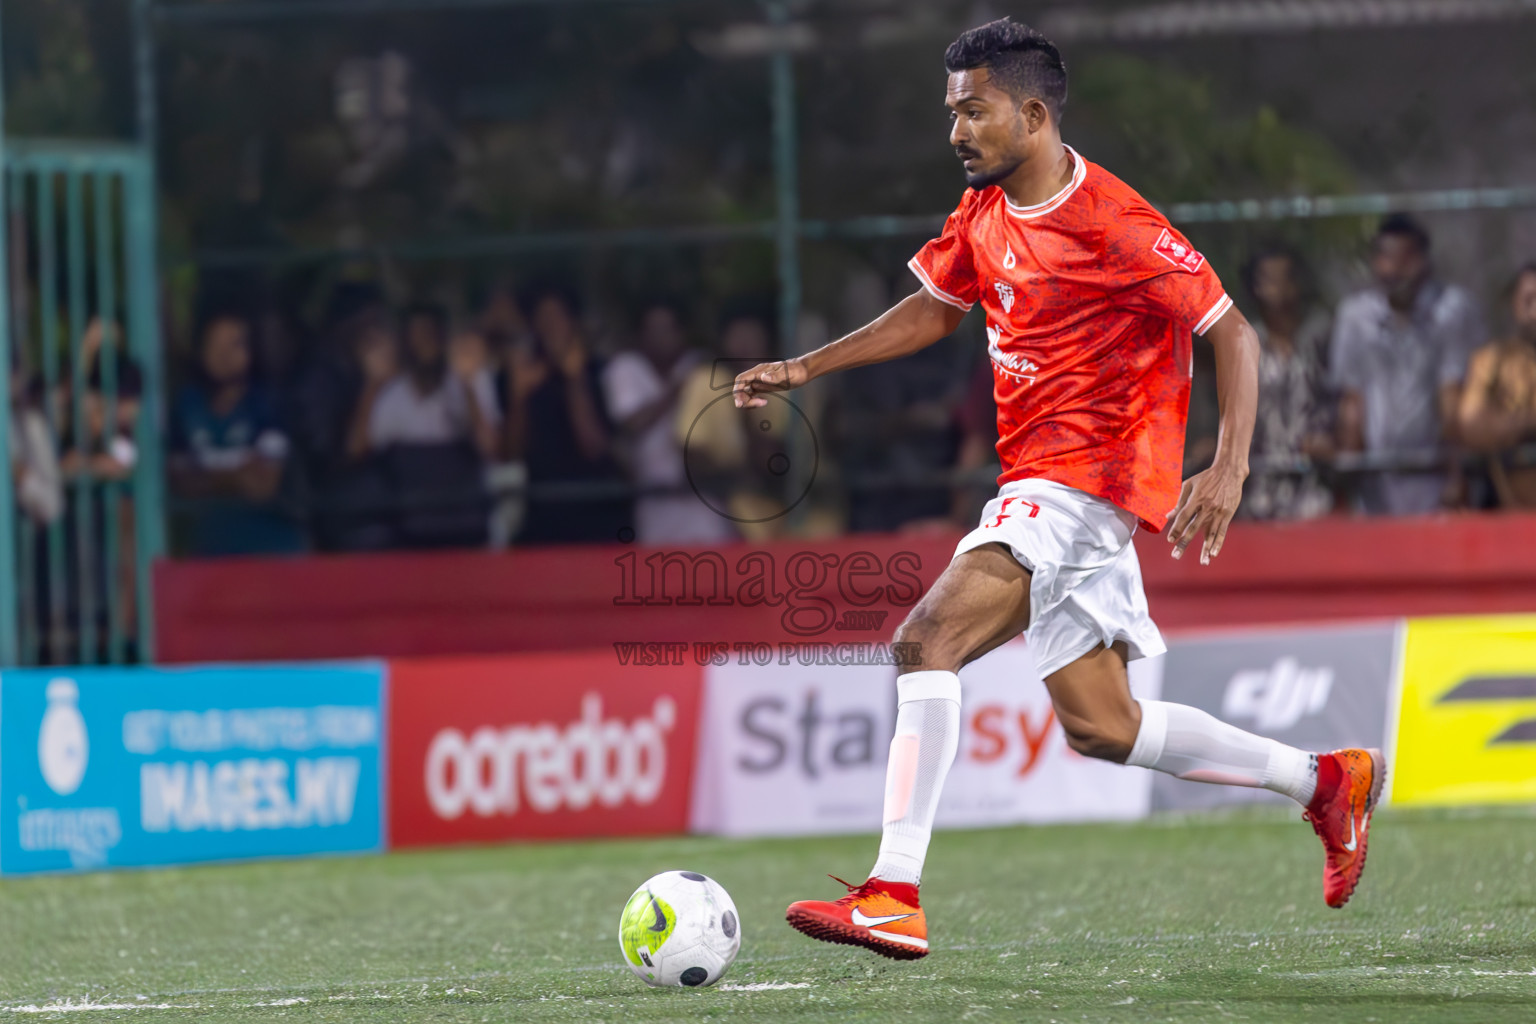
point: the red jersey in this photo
(1090, 298)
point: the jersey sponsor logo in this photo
(1177, 253)
(1004, 295)
(1277, 697)
(1011, 364)
(1009, 259)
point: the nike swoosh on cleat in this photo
(1353, 841)
(862, 921)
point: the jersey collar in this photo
(1079, 172)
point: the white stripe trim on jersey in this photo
(1079, 172)
(935, 290)
(1213, 314)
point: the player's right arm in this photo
(912, 324)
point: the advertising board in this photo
(108, 767)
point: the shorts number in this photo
(1003, 513)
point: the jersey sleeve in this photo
(945, 265)
(1151, 268)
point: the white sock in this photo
(1190, 744)
(927, 737)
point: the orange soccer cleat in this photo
(1348, 787)
(880, 916)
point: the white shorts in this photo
(1085, 582)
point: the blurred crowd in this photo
(1398, 402)
(528, 420)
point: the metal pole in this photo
(28, 643)
(145, 341)
(85, 601)
(786, 235)
(113, 344)
(141, 196)
(9, 582)
(145, 96)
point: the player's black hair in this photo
(1404, 226)
(1021, 60)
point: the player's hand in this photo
(1206, 505)
(766, 378)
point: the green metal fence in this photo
(83, 330)
(81, 244)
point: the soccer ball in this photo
(680, 928)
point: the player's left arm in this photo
(1209, 500)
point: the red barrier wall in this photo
(835, 591)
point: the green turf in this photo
(1211, 919)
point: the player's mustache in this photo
(966, 153)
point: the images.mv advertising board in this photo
(116, 767)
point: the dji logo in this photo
(1278, 697)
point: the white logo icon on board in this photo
(62, 746)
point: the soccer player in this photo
(1091, 298)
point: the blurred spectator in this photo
(1295, 412)
(1399, 354)
(1498, 405)
(641, 387)
(977, 464)
(502, 321)
(348, 494)
(555, 421)
(108, 449)
(229, 450)
(1204, 420)
(892, 425)
(100, 459)
(734, 457)
(444, 395)
(896, 430)
(434, 426)
(35, 474)
(506, 332)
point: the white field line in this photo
(87, 1006)
(763, 986)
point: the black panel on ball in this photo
(693, 976)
